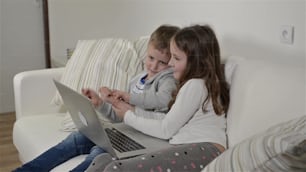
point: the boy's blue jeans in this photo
(75, 144)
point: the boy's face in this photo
(155, 61)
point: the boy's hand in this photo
(121, 95)
(106, 94)
(121, 107)
(93, 96)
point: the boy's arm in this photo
(155, 98)
(106, 110)
(122, 95)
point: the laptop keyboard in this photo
(121, 142)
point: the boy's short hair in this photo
(161, 38)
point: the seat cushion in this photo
(32, 135)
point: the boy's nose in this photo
(154, 66)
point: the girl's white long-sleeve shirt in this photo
(185, 122)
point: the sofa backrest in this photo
(263, 94)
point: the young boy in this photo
(149, 90)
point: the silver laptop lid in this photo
(84, 116)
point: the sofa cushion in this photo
(96, 63)
(272, 149)
(141, 45)
(75, 66)
(35, 134)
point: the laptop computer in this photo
(130, 143)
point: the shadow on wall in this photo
(250, 49)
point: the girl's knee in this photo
(100, 162)
(113, 166)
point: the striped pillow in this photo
(96, 63)
(141, 45)
(272, 150)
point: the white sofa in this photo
(262, 94)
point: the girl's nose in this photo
(170, 63)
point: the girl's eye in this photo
(175, 57)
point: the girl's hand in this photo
(93, 96)
(121, 95)
(121, 107)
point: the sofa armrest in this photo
(34, 90)
(263, 94)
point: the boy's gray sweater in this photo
(155, 97)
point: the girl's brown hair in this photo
(201, 46)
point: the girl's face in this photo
(178, 61)
(155, 61)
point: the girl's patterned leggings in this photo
(186, 157)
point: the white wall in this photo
(249, 28)
(245, 27)
(22, 46)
